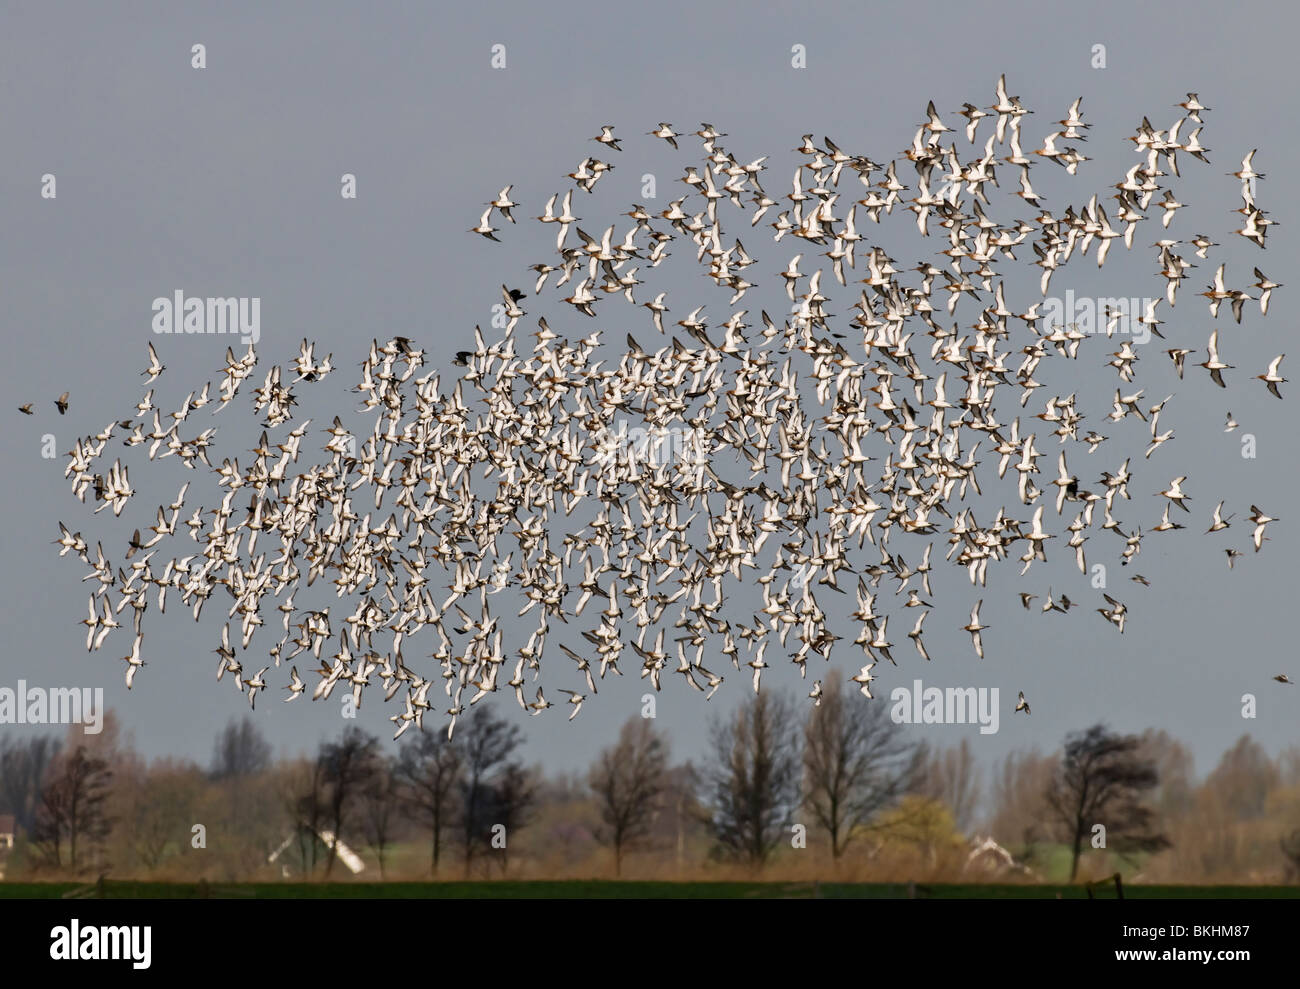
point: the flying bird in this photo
(709, 491)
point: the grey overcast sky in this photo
(225, 182)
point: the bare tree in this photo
(162, 809)
(380, 798)
(1018, 811)
(855, 764)
(72, 806)
(1244, 778)
(307, 804)
(346, 764)
(239, 754)
(1102, 780)
(950, 776)
(488, 741)
(429, 770)
(512, 799)
(628, 779)
(23, 764)
(1290, 845)
(1288, 766)
(240, 750)
(753, 785)
(1173, 796)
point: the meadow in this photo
(620, 890)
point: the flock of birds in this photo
(805, 439)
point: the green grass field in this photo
(583, 889)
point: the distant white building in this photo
(987, 856)
(7, 827)
(350, 859)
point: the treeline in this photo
(837, 792)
